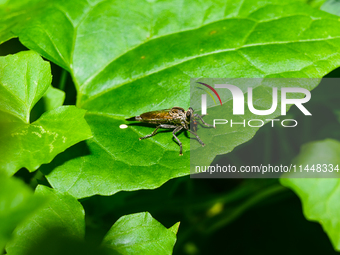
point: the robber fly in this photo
(176, 118)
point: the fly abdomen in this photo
(136, 118)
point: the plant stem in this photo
(272, 190)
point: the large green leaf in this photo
(15, 13)
(320, 196)
(63, 215)
(140, 234)
(129, 57)
(24, 79)
(16, 204)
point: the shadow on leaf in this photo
(78, 150)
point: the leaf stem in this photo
(63, 79)
(307, 130)
(34, 181)
(285, 145)
(268, 146)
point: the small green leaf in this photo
(131, 57)
(320, 196)
(140, 234)
(63, 215)
(17, 203)
(25, 78)
(53, 98)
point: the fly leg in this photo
(198, 116)
(199, 140)
(193, 132)
(179, 142)
(176, 129)
(153, 133)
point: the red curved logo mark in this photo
(212, 89)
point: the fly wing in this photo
(156, 117)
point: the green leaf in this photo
(53, 98)
(24, 79)
(337, 114)
(175, 228)
(62, 221)
(129, 57)
(63, 215)
(15, 13)
(140, 234)
(315, 3)
(17, 203)
(320, 196)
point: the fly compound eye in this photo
(189, 112)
